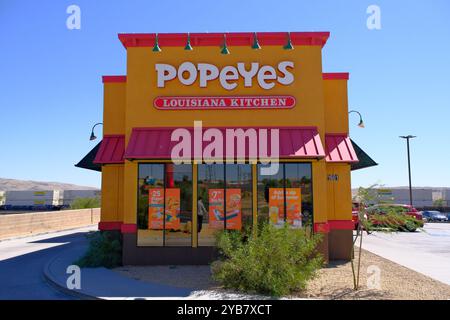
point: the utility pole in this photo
(408, 137)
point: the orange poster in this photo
(173, 208)
(276, 206)
(293, 203)
(294, 207)
(156, 208)
(234, 212)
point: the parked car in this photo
(405, 208)
(401, 224)
(433, 216)
(355, 213)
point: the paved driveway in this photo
(22, 262)
(427, 252)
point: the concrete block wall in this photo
(25, 224)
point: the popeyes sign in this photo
(201, 74)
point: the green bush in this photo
(85, 203)
(105, 250)
(278, 261)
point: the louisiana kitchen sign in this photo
(201, 74)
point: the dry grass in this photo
(333, 282)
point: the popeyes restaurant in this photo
(213, 131)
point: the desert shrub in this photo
(278, 261)
(85, 203)
(105, 250)
(395, 221)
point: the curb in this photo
(52, 281)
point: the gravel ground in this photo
(333, 282)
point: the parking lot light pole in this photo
(409, 166)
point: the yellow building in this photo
(261, 131)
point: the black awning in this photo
(88, 161)
(364, 160)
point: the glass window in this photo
(298, 180)
(239, 196)
(286, 196)
(150, 181)
(210, 202)
(165, 205)
(223, 186)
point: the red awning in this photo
(155, 143)
(339, 148)
(111, 149)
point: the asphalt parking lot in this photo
(426, 251)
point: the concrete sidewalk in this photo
(102, 283)
(427, 251)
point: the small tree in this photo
(85, 203)
(392, 219)
(440, 203)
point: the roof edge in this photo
(216, 39)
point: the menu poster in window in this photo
(173, 208)
(155, 208)
(216, 209)
(276, 206)
(234, 211)
(294, 207)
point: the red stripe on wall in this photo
(109, 225)
(128, 228)
(341, 224)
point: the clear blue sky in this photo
(51, 91)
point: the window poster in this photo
(276, 206)
(156, 208)
(293, 204)
(294, 207)
(216, 209)
(173, 208)
(234, 212)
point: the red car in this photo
(409, 210)
(355, 213)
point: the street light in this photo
(93, 137)
(361, 123)
(409, 165)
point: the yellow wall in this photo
(339, 193)
(320, 103)
(142, 89)
(336, 106)
(114, 98)
(112, 193)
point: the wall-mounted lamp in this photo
(361, 122)
(93, 137)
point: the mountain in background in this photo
(14, 184)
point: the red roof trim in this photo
(216, 39)
(111, 149)
(155, 142)
(335, 76)
(339, 148)
(114, 79)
